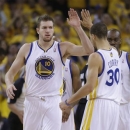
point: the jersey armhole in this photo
(29, 53)
(127, 59)
(60, 54)
(70, 69)
(103, 64)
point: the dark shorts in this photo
(79, 112)
(14, 122)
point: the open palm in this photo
(86, 19)
(73, 19)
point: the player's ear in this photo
(93, 36)
(37, 29)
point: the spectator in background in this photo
(2, 54)
(3, 18)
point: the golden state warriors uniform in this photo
(124, 120)
(44, 78)
(102, 109)
(67, 93)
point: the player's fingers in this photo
(63, 119)
(10, 95)
(69, 13)
(66, 116)
(84, 16)
(14, 88)
(87, 12)
(11, 91)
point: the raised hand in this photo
(73, 19)
(10, 91)
(86, 19)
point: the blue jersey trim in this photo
(103, 64)
(43, 49)
(60, 54)
(127, 59)
(70, 69)
(29, 53)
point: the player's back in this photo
(108, 82)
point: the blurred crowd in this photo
(17, 26)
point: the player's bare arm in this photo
(94, 68)
(16, 66)
(71, 49)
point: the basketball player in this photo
(72, 84)
(114, 38)
(44, 60)
(102, 86)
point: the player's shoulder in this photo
(25, 47)
(94, 58)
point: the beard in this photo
(48, 39)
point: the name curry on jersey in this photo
(113, 62)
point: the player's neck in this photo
(103, 45)
(45, 45)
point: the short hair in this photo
(99, 29)
(2, 52)
(115, 30)
(44, 17)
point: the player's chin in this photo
(47, 40)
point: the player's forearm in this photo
(79, 94)
(9, 78)
(86, 43)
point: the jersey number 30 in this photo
(114, 76)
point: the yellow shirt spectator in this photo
(4, 110)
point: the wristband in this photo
(67, 103)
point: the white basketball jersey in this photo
(125, 71)
(67, 93)
(67, 88)
(44, 70)
(109, 81)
